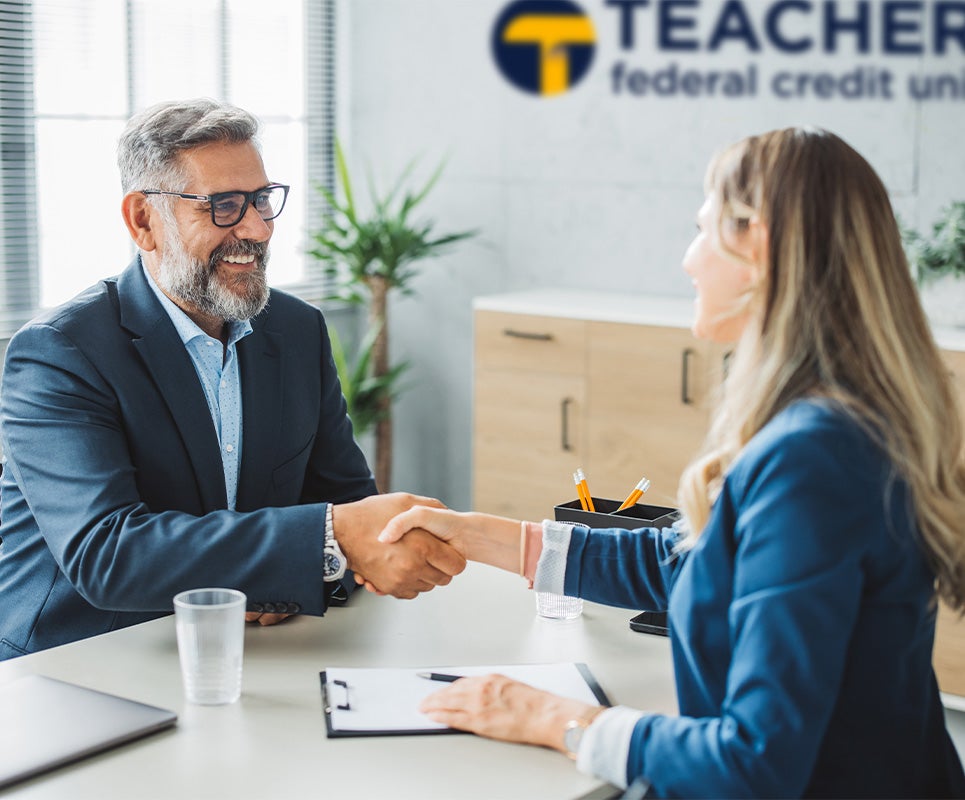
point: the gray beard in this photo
(236, 298)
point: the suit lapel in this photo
(260, 361)
(170, 366)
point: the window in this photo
(71, 74)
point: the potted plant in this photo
(938, 263)
(368, 255)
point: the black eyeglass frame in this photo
(214, 198)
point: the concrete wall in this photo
(591, 188)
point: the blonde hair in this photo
(834, 315)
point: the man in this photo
(182, 425)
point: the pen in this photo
(439, 676)
(635, 495)
(586, 490)
(579, 492)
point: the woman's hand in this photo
(499, 708)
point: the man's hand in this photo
(265, 619)
(403, 569)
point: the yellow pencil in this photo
(579, 492)
(635, 495)
(586, 490)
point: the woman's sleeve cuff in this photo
(551, 567)
(605, 747)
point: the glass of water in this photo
(558, 606)
(211, 640)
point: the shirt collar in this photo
(186, 327)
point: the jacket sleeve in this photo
(630, 569)
(66, 445)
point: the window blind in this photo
(73, 71)
(18, 207)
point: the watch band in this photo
(333, 564)
(329, 524)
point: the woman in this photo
(825, 511)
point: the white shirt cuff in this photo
(605, 747)
(551, 567)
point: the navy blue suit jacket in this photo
(113, 494)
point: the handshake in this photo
(402, 544)
(389, 555)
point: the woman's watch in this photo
(573, 735)
(333, 559)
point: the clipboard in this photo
(383, 701)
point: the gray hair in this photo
(149, 150)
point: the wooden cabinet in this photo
(949, 655)
(649, 392)
(622, 400)
(956, 365)
(529, 406)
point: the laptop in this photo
(45, 723)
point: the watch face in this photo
(331, 564)
(571, 739)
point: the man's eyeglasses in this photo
(228, 208)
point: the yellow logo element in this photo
(543, 47)
(553, 34)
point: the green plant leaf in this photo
(387, 201)
(411, 201)
(941, 253)
(343, 176)
(341, 366)
(360, 251)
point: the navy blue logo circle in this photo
(544, 47)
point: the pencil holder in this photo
(638, 516)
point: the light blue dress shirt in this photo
(218, 371)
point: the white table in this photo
(272, 742)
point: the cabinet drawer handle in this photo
(725, 363)
(537, 337)
(565, 424)
(685, 397)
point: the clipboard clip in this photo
(346, 706)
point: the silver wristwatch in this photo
(333, 559)
(573, 735)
